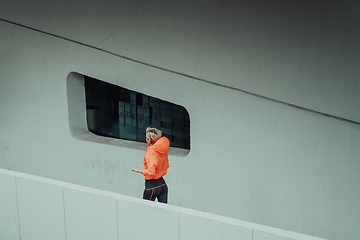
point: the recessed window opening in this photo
(116, 112)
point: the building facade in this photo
(271, 89)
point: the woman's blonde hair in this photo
(153, 134)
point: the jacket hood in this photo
(161, 145)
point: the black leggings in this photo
(156, 188)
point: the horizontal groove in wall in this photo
(183, 74)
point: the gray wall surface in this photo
(272, 90)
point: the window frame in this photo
(78, 119)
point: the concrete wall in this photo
(251, 158)
(39, 208)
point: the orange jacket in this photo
(156, 160)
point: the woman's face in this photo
(148, 140)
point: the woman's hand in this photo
(136, 169)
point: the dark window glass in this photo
(117, 112)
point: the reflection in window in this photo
(116, 112)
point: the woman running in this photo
(156, 163)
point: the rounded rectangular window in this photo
(116, 112)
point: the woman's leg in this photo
(149, 194)
(163, 195)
